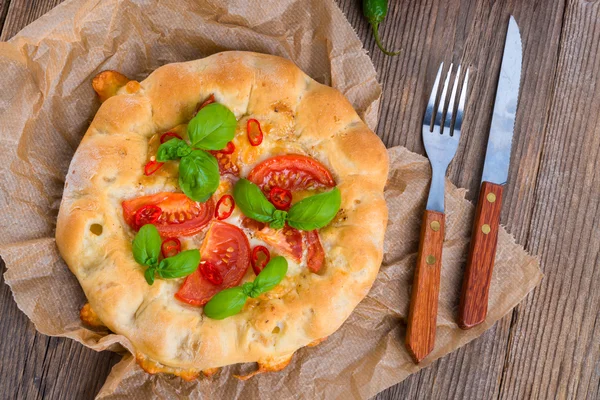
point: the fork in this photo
(441, 139)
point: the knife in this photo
(484, 237)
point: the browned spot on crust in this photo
(209, 372)
(107, 83)
(317, 342)
(153, 367)
(273, 365)
(89, 317)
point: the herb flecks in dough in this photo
(230, 301)
(311, 213)
(146, 249)
(212, 128)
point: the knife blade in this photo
(484, 237)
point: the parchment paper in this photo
(46, 104)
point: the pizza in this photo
(224, 210)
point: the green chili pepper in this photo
(375, 11)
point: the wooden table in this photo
(549, 347)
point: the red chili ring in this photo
(257, 264)
(281, 198)
(229, 149)
(210, 100)
(170, 247)
(151, 167)
(168, 136)
(147, 214)
(228, 210)
(210, 272)
(255, 134)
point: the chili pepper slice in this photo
(260, 258)
(210, 272)
(168, 136)
(229, 149)
(170, 247)
(281, 198)
(211, 99)
(147, 214)
(151, 167)
(255, 134)
(225, 207)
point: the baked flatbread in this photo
(299, 117)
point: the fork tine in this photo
(461, 103)
(448, 119)
(440, 111)
(427, 120)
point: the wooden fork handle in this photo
(422, 314)
(480, 262)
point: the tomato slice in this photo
(226, 164)
(291, 172)
(180, 216)
(291, 242)
(315, 255)
(287, 241)
(226, 248)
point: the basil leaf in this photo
(173, 149)
(316, 211)
(179, 265)
(146, 245)
(226, 303)
(149, 275)
(278, 219)
(270, 276)
(199, 175)
(253, 203)
(212, 127)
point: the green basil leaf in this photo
(316, 211)
(179, 265)
(146, 245)
(226, 303)
(199, 175)
(270, 276)
(212, 128)
(253, 203)
(278, 219)
(149, 275)
(172, 149)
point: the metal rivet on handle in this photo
(491, 197)
(435, 226)
(486, 229)
(430, 259)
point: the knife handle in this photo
(480, 262)
(422, 314)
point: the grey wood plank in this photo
(3, 11)
(556, 348)
(22, 12)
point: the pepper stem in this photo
(375, 27)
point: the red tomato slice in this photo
(180, 215)
(226, 164)
(291, 242)
(315, 255)
(291, 172)
(287, 241)
(226, 247)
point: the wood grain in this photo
(422, 314)
(548, 347)
(473, 305)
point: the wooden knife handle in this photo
(422, 314)
(480, 262)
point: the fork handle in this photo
(480, 262)
(422, 314)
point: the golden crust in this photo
(299, 115)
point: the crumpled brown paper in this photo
(47, 103)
